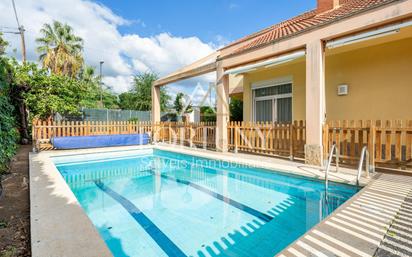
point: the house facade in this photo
(345, 60)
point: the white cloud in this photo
(123, 55)
(222, 41)
(164, 53)
(121, 83)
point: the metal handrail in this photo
(364, 153)
(335, 149)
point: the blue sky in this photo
(210, 20)
(137, 36)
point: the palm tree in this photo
(60, 50)
(88, 74)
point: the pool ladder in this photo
(364, 153)
(332, 150)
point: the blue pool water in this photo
(158, 203)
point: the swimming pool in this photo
(160, 203)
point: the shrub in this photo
(134, 119)
(9, 135)
(236, 109)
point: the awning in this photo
(376, 33)
(268, 63)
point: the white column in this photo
(155, 111)
(247, 99)
(315, 101)
(155, 104)
(222, 112)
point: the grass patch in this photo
(10, 251)
(3, 224)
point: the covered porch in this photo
(339, 83)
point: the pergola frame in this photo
(313, 42)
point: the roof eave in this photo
(306, 30)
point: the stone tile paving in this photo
(398, 240)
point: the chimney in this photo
(326, 5)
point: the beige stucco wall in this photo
(379, 79)
(295, 70)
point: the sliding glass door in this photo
(264, 110)
(273, 103)
(284, 109)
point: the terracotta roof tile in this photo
(306, 21)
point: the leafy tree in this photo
(180, 105)
(127, 101)
(46, 94)
(35, 90)
(236, 109)
(207, 114)
(50, 93)
(110, 101)
(88, 74)
(92, 98)
(9, 134)
(3, 44)
(140, 96)
(60, 50)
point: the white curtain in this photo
(264, 110)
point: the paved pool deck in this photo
(398, 239)
(59, 226)
(365, 225)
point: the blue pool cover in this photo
(99, 141)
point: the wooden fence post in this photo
(169, 130)
(87, 129)
(129, 127)
(291, 144)
(190, 135)
(236, 132)
(408, 140)
(372, 146)
(34, 135)
(155, 136)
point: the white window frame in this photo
(271, 83)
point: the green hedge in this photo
(9, 135)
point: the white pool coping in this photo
(345, 175)
(60, 227)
